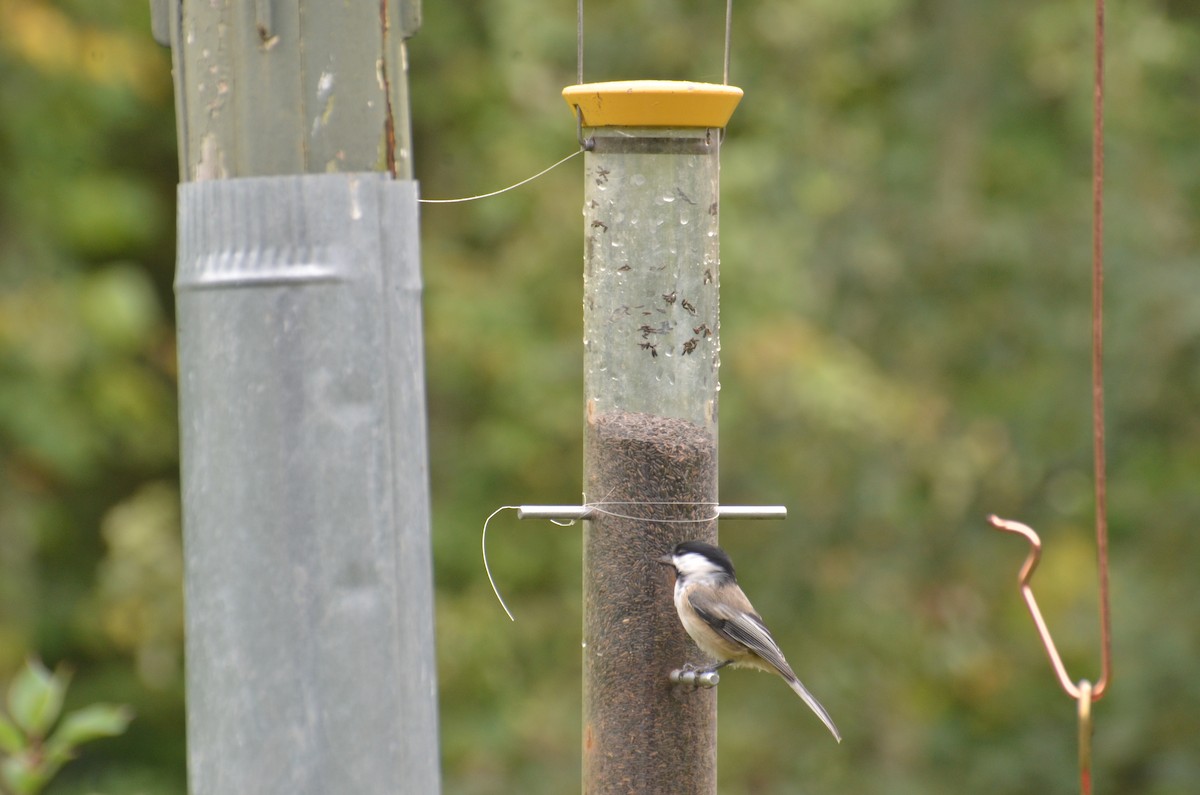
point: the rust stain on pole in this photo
(389, 118)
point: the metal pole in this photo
(252, 98)
(651, 272)
(310, 648)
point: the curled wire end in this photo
(1031, 561)
(488, 568)
(1027, 532)
(1018, 528)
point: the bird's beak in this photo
(666, 560)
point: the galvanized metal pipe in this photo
(310, 663)
(310, 657)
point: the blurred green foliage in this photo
(906, 230)
(36, 739)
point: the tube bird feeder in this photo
(651, 356)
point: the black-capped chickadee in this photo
(723, 623)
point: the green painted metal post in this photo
(310, 647)
(275, 87)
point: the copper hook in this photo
(1085, 737)
(1085, 693)
(1089, 692)
(1027, 569)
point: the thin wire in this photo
(1098, 356)
(525, 181)
(1086, 697)
(1027, 569)
(579, 41)
(1096, 692)
(483, 544)
(728, 36)
(488, 568)
(595, 506)
(651, 502)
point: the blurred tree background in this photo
(906, 238)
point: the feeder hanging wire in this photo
(579, 42)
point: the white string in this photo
(487, 568)
(502, 190)
(595, 506)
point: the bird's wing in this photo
(740, 624)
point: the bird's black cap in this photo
(713, 553)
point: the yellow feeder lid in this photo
(653, 103)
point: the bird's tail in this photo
(814, 705)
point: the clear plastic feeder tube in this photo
(651, 353)
(651, 273)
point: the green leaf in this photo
(91, 723)
(21, 776)
(35, 698)
(11, 738)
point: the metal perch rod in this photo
(568, 513)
